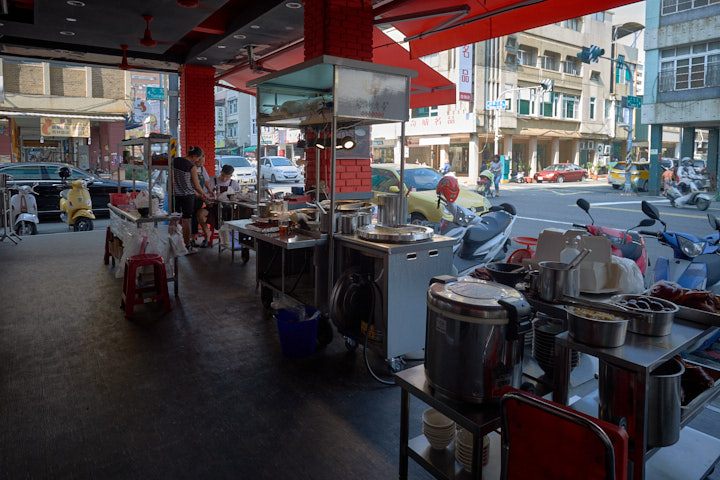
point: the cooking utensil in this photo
(349, 223)
(581, 256)
(506, 273)
(394, 234)
(558, 280)
(263, 210)
(598, 333)
(654, 323)
(389, 209)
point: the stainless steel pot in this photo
(328, 221)
(389, 209)
(557, 280)
(349, 223)
(474, 338)
(263, 210)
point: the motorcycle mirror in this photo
(650, 210)
(714, 223)
(646, 222)
(585, 205)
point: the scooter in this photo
(694, 197)
(24, 211)
(516, 177)
(480, 238)
(696, 263)
(75, 203)
(625, 244)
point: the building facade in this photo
(682, 52)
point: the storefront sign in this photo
(465, 72)
(445, 124)
(64, 127)
(434, 141)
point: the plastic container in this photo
(297, 335)
(118, 199)
(571, 250)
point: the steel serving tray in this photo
(395, 233)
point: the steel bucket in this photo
(389, 209)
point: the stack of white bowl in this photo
(464, 448)
(438, 429)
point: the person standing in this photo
(200, 215)
(445, 169)
(496, 169)
(187, 187)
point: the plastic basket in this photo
(297, 338)
(118, 199)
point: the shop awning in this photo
(436, 25)
(429, 88)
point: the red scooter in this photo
(625, 244)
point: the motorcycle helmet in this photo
(686, 162)
(63, 172)
(449, 188)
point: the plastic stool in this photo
(213, 234)
(132, 294)
(518, 255)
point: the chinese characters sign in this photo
(465, 72)
(64, 127)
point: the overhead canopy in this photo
(429, 88)
(435, 25)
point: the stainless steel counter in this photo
(437, 241)
(289, 242)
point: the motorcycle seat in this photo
(489, 226)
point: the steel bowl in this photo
(506, 273)
(651, 323)
(598, 333)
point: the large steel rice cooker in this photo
(474, 338)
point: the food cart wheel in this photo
(351, 344)
(395, 364)
(245, 255)
(266, 296)
(324, 332)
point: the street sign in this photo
(499, 105)
(634, 102)
(155, 93)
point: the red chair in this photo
(213, 234)
(157, 291)
(548, 441)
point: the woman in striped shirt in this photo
(187, 188)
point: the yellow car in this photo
(639, 175)
(422, 200)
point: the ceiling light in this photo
(239, 36)
(255, 27)
(67, 33)
(189, 3)
(70, 19)
(293, 5)
(75, 3)
(288, 27)
(222, 46)
(347, 142)
(201, 58)
(320, 144)
(2, 24)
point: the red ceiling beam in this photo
(213, 26)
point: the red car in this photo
(561, 172)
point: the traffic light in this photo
(584, 56)
(547, 85)
(595, 53)
(620, 61)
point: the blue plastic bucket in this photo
(297, 338)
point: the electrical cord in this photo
(371, 322)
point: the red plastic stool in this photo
(518, 255)
(133, 294)
(213, 234)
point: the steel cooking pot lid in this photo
(473, 297)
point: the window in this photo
(674, 6)
(232, 106)
(592, 108)
(622, 76)
(424, 112)
(608, 109)
(570, 106)
(595, 76)
(572, 24)
(694, 66)
(74, 174)
(527, 56)
(232, 130)
(383, 179)
(511, 42)
(547, 106)
(550, 61)
(25, 172)
(511, 59)
(599, 16)
(526, 102)
(571, 65)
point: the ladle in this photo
(580, 257)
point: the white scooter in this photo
(694, 197)
(24, 212)
(480, 238)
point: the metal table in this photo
(239, 211)
(478, 419)
(639, 356)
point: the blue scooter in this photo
(696, 262)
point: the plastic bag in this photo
(631, 278)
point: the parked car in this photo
(244, 172)
(561, 172)
(700, 166)
(422, 199)
(278, 169)
(49, 185)
(639, 174)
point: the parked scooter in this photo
(75, 203)
(694, 197)
(696, 263)
(480, 238)
(24, 211)
(516, 177)
(624, 244)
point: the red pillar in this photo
(341, 28)
(197, 111)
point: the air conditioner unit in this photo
(582, 145)
(590, 145)
(606, 151)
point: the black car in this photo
(49, 185)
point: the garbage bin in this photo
(297, 329)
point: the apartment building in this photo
(581, 121)
(62, 112)
(682, 55)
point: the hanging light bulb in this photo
(347, 142)
(320, 144)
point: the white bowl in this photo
(433, 418)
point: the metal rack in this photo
(7, 227)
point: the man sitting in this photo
(222, 187)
